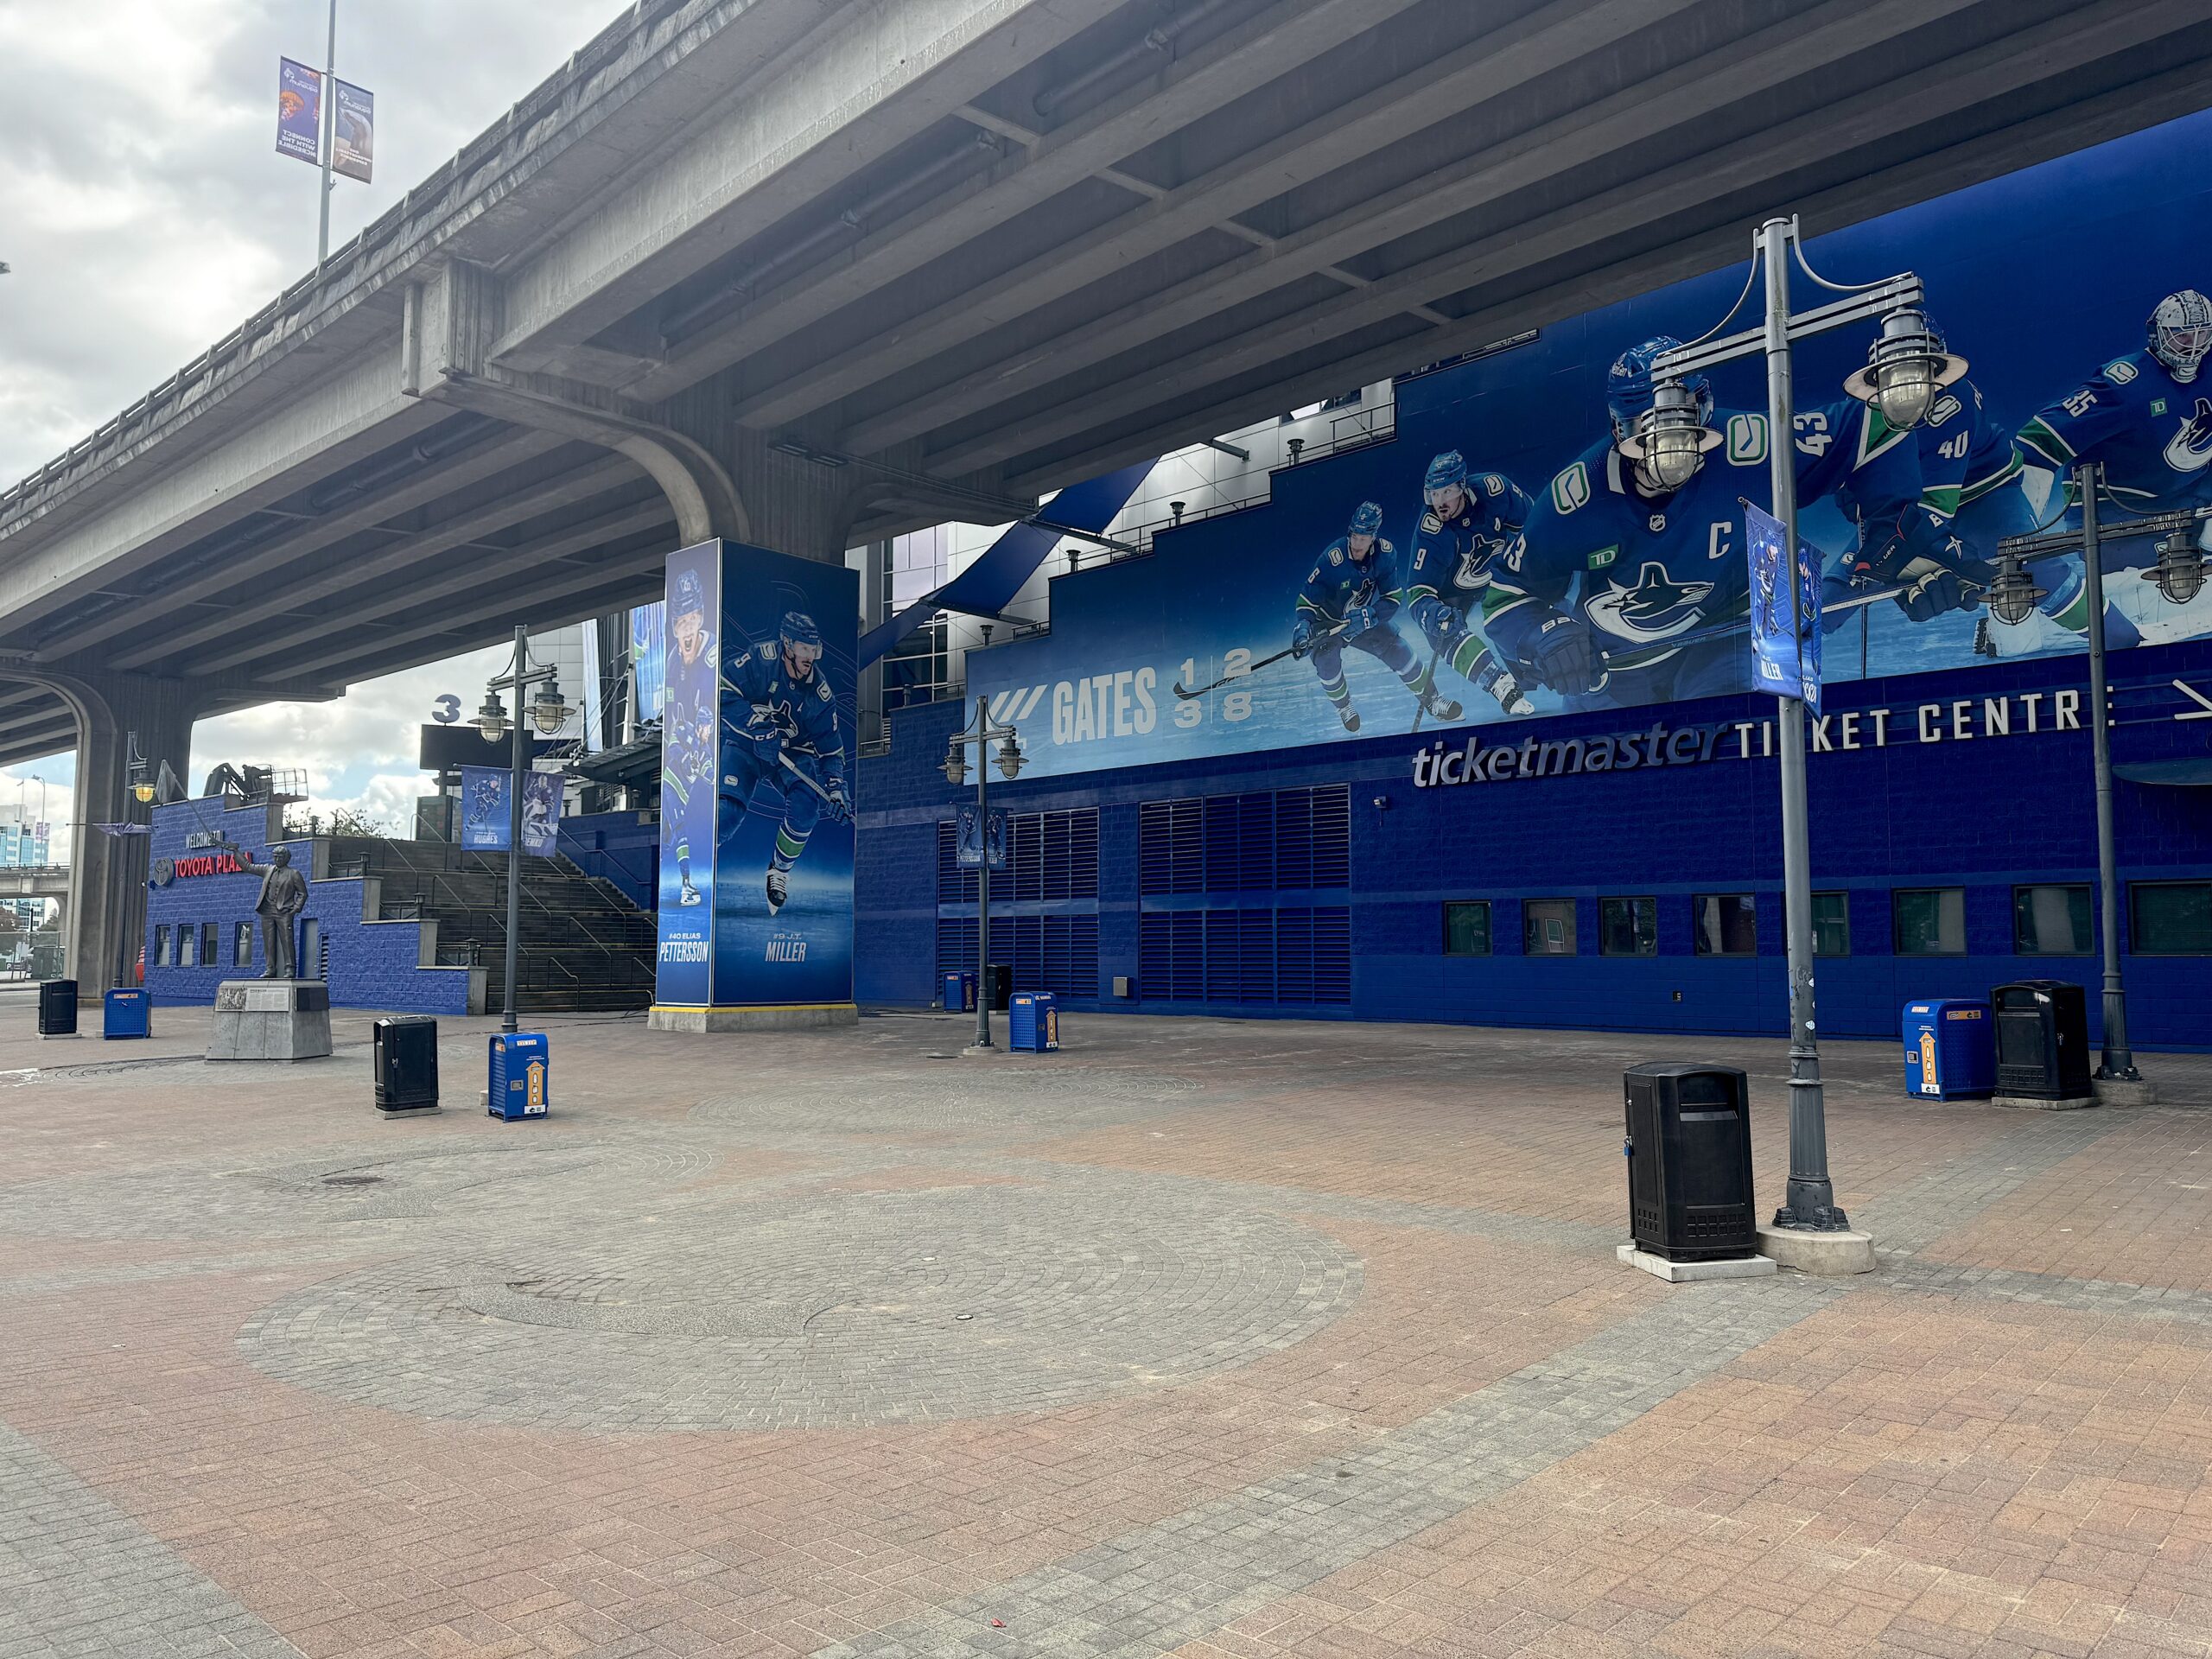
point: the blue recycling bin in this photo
(1950, 1050)
(127, 1013)
(960, 992)
(519, 1088)
(1032, 1022)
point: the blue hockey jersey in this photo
(2153, 434)
(1453, 558)
(1904, 490)
(798, 716)
(1340, 581)
(1641, 571)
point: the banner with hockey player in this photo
(484, 809)
(485, 823)
(1506, 555)
(690, 719)
(1785, 628)
(979, 839)
(756, 816)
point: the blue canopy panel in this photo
(988, 586)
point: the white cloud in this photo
(145, 214)
(143, 204)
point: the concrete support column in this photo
(107, 876)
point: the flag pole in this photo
(329, 135)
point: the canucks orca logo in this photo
(2190, 448)
(1658, 607)
(1475, 563)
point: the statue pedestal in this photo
(271, 1020)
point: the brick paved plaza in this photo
(1200, 1338)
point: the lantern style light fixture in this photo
(1905, 368)
(1011, 759)
(954, 767)
(1671, 436)
(547, 711)
(2012, 592)
(2180, 570)
(492, 718)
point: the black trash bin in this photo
(998, 978)
(1689, 1162)
(2043, 1040)
(57, 1008)
(403, 1057)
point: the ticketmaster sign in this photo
(2024, 714)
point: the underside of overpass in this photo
(810, 272)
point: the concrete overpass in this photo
(809, 272)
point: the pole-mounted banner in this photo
(353, 131)
(299, 112)
(1785, 639)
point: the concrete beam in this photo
(240, 622)
(1956, 166)
(1747, 165)
(464, 627)
(887, 71)
(472, 578)
(1496, 64)
(1257, 51)
(354, 410)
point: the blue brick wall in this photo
(1982, 813)
(373, 964)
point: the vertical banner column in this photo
(690, 720)
(756, 919)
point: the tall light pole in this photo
(2180, 574)
(329, 140)
(981, 732)
(1905, 370)
(546, 711)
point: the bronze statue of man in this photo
(283, 896)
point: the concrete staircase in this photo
(583, 944)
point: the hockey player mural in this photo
(1509, 553)
(756, 813)
(1352, 599)
(781, 741)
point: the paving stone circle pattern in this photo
(853, 1309)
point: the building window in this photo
(1727, 924)
(1466, 928)
(2052, 921)
(1547, 927)
(1831, 925)
(1628, 927)
(161, 957)
(1930, 921)
(2171, 919)
(187, 940)
(209, 945)
(242, 946)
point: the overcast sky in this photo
(145, 212)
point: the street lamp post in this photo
(2180, 573)
(330, 141)
(547, 711)
(981, 732)
(1905, 370)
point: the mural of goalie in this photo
(779, 737)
